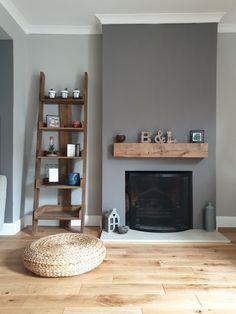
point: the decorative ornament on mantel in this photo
(170, 138)
(146, 137)
(120, 138)
(158, 138)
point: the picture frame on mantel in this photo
(197, 136)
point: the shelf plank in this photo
(61, 215)
(60, 157)
(43, 128)
(58, 212)
(43, 183)
(59, 186)
(62, 101)
(156, 150)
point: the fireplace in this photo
(159, 201)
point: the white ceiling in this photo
(78, 13)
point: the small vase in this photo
(52, 93)
(209, 217)
(73, 178)
(64, 93)
(120, 138)
(76, 93)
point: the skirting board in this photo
(17, 226)
(226, 221)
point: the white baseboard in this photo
(17, 226)
(11, 228)
(95, 220)
(226, 221)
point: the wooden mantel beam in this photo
(156, 150)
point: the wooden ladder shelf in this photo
(64, 211)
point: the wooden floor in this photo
(133, 279)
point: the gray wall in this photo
(159, 77)
(6, 119)
(64, 59)
(226, 115)
(19, 108)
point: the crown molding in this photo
(161, 18)
(227, 28)
(148, 18)
(48, 29)
(64, 29)
(15, 14)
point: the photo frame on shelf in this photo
(196, 136)
(52, 121)
(52, 173)
(71, 150)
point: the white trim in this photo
(161, 18)
(90, 220)
(64, 29)
(227, 28)
(17, 226)
(10, 228)
(147, 18)
(226, 221)
(15, 14)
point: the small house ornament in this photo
(112, 220)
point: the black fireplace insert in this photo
(159, 201)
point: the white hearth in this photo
(188, 236)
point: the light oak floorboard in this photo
(38, 289)
(223, 302)
(133, 279)
(147, 300)
(119, 289)
(33, 311)
(198, 289)
(103, 310)
(198, 311)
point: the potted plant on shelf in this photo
(51, 147)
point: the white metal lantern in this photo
(112, 220)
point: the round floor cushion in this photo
(65, 254)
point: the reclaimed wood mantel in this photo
(156, 150)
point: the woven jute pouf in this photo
(65, 254)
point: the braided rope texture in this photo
(63, 255)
